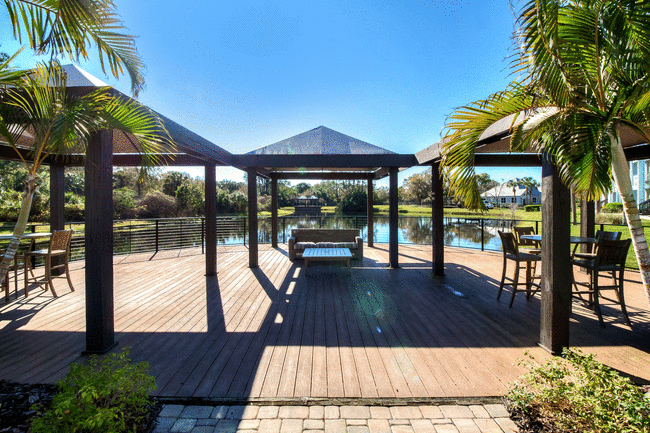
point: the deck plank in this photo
(272, 332)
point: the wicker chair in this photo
(610, 256)
(531, 247)
(511, 252)
(59, 247)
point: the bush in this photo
(355, 202)
(612, 208)
(157, 205)
(532, 207)
(111, 396)
(577, 393)
(603, 218)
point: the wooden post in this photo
(210, 220)
(437, 221)
(274, 212)
(57, 206)
(556, 266)
(587, 222)
(393, 222)
(100, 333)
(252, 217)
(371, 217)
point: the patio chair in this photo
(600, 234)
(610, 256)
(531, 247)
(59, 247)
(511, 252)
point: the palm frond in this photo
(70, 27)
(463, 132)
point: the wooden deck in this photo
(273, 333)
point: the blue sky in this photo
(247, 74)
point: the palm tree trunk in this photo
(621, 173)
(19, 230)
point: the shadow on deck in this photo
(273, 333)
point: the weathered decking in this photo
(272, 332)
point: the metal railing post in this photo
(202, 235)
(157, 235)
(245, 221)
(482, 234)
(284, 230)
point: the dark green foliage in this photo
(532, 207)
(107, 396)
(613, 208)
(172, 181)
(123, 203)
(190, 197)
(355, 202)
(576, 393)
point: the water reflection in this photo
(461, 232)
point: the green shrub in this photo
(577, 393)
(532, 207)
(355, 202)
(603, 218)
(612, 208)
(106, 396)
(402, 211)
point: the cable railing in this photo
(154, 235)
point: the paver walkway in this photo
(480, 418)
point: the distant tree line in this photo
(168, 194)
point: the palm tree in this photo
(70, 28)
(529, 183)
(35, 101)
(60, 123)
(583, 74)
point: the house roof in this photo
(503, 190)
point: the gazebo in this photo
(494, 150)
(322, 153)
(107, 149)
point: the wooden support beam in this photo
(100, 333)
(57, 206)
(556, 265)
(370, 213)
(210, 220)
(252, 218)
(437, 221)
(274, 212)
(328, 175)
(319, 161)
(393, 221)
(587, 222)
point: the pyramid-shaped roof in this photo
(321, 141)
(190, 148)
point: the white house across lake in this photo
(505, 195)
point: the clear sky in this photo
(245, 74)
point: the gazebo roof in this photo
(493, 147)
(191, 149)
(323, 153)
(321, 141)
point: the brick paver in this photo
(255, 418)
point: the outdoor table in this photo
(572, 239)
(326, 254)
(28, 236)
